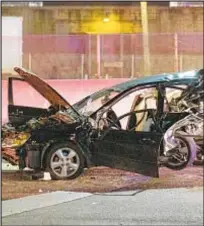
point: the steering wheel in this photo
(112, 123)
(107, 122)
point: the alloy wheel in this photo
(64, 162)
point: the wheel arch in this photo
(49, 146)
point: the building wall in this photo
(45, 28)
(68, 20)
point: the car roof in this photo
(166, 77)
(184, 77)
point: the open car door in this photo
(20, 114)
(135, 151)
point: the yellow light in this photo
(106, 19)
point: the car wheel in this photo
(185, 156)
(64, 161)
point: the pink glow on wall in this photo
(72, 90)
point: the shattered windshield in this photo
(91, 103)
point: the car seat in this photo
(132, 120)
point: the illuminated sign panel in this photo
(186, 4)
(21, 4)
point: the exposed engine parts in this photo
(10, 156)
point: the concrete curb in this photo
(16, 206)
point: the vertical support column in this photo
(147, 69)
(82, 66)
(176, 63)
(98, 54)
(30, 61)
(133, 57)
(133, 66)
(180, 63)
(90, 56)
(121, 54)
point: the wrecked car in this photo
(191, 101)
(120, 127)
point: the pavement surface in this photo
(149, 207)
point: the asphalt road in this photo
(150, 207)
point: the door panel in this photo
(20, 114)
(129, 150)
(135, 151)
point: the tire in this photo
(191, 154)
(59, 169)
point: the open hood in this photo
(54, 98)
